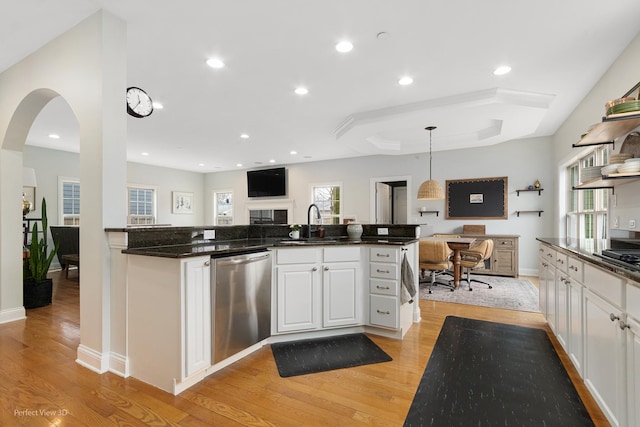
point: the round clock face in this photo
(138, 102)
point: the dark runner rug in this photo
(325, 354)
(491, 374)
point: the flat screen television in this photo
(267, 182)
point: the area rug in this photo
(491, 374)
(325, 354)
(508, 292)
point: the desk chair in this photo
(473, 259)
(434, 256)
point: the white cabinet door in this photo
(543, 288)
(552, 305)
(298, 297)
(576, 332)
(342, 289)
(562, 304)
(604, 357)
(633, 372)
(197, 315)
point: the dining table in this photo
(456, 244)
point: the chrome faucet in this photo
(309, 218)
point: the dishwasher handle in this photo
(245, 260)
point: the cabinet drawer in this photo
(341, 254)
(548, 254)
(633, 300)
(561, 262)
(380, 254)
(503, 243)
(298, 256)
(383, 271)
(604, 284)
(384, 311)
(384, 287)
(575, 268)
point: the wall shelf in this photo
(539, 212)
(611, 127)
(539, 190)
(608, 181)
(429, 212)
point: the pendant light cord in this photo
(430, 128)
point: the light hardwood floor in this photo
(38, 373)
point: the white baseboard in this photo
(119, 365)
(93, 360)
(528, 272)
(12, 314)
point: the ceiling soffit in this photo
(466, 120)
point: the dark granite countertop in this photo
(241, 246)
(578, 251)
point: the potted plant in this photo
(36, 287)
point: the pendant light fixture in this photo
(431, 189)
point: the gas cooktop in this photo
(628, 258)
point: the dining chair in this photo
(434, 257)
(473, 260)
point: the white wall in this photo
(166, 181)
(50, 165)
(616, 81)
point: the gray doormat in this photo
(508, 292)
(491, 374)
(325, 354)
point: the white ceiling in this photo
(355, 106)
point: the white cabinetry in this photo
(169, 315)
(547, 276)
(318, 287)
(197, 315)
(605, 368)
(633, 353)
(385, 286)
(575, 315)
(298, 289)
(604, 357)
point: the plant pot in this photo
(36, 294)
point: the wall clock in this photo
(139, 104)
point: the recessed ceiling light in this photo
(244, 135)
(344, 46)
(272, 161)
(502, 70)
(201, 164)
(293, 152)
(239, 165)
(144, 154)
(215, 63)
(157, 105)
(301, 90)
(54, 136)
(404, 81)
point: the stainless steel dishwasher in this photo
(241, 302)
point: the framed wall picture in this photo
(182, 202)
(481, 198)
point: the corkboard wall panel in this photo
(481, 198)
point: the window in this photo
(223, 208)
(327, 198)
(142, 206)
(586, 218)
(70, 202)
